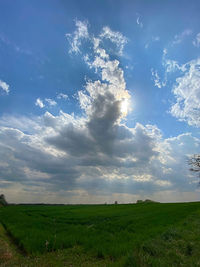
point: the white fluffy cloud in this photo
(187, 93)
(39, 103)
(4, 86)
(186, 87)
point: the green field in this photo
(124, 235)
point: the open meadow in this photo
(107, 235)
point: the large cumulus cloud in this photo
(94, 153)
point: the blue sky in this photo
(99, 100)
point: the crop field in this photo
(108, 232)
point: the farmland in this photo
(116, 235)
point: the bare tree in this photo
(194, 162)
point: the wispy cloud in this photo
(138, 21)
(62, 96)
(170, 66)
(4, 86)
(80, 33)
(50, 101)
(153, 39)
(115, 37)
(196, 41)
(14, 46)
(39, 103)
(157, 81)
(178, 38)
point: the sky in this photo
(99, 100)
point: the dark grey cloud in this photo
(74, 141)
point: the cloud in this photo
(103, 157)
(186, 88)
(39, 103)
(187, 93)
(138, 21)
(80, 33)
(93, 155)
(24, 124)
(178, 38)
(4, 86)
(157, 81)
(115, 37)
(50, 101)
(153, 39)
(4, 39)
(196, 41)
(62, 96)
(170, 67)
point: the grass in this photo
(150, 234)
(179, 245)
(10, 256)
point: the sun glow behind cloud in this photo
(125, 106)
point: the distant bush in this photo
(139, 201)
(146, 201)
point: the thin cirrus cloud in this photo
(138, 21)
(50, 101)
(196, 41)
(62, 96)
(178, 38)
(4, 39)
